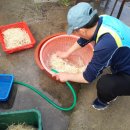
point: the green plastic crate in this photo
(30, 117)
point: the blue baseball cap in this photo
(79, 15)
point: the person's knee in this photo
(101, 84)
(105, 84)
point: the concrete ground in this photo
(45, 18)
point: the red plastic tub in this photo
(38, 48)
(60, 42)
(21, 25)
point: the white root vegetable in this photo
(15, 37)
(63, 65)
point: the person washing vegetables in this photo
(111, 49)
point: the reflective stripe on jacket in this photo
(119, 31)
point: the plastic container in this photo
(63, 43)
(29, 117)
(38, 48)
(22, 25)
(6, 81)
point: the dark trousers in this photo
(112, 85)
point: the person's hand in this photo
(62, 54)
(62, 77)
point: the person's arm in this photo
(81, 42)
(103, 52)
(63, 77)
(65, 54)
(75, 47)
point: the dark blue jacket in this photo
(106, 53)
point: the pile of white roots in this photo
(20, 127)
(63, 65)
(15, 37)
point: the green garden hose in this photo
(49, 100)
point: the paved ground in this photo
(44, 19)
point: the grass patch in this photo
(65, 2)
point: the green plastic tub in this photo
(30, 117)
